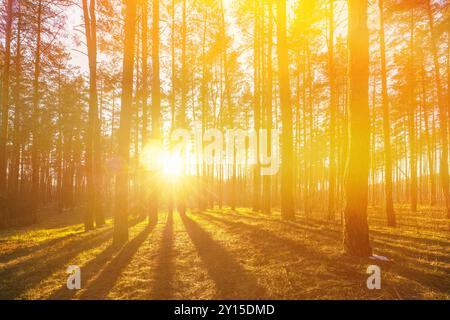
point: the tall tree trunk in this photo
(156, 104)
(121, 196)
(204, 185)
(428, 138)
(258, 40)
(17, 144)
(333, 116)
(171, 196)
(35, 117)
(144, 178)
(287, 165)
(59, 147)
(443, 170)
(411, 119)
(356, 230)
(267, 203)
(173, 66)
(93, 154)
(144, 92)
(184, 75)
(386, 125)
(5, 98)
(181, 204)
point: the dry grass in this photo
(224, 254)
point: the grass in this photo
(225, 254)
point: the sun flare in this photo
(154, 159)
(172, 165)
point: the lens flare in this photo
(154, 159)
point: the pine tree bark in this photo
(13, 184)
(5, 98)
(443, 168)
(144, 93)
(35, 163)
(93, 152)
(389, 204)
(287, 157)
(356, 230)
(333, 116)
(411, 119)
(267, 184)
(258, 36)
(121, 197)
(156, 105)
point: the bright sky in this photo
(74, 20)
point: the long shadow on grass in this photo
(411, 238)
(20, 252)
(383, 240)
(163, 287)
(29, 273)
(41, 249)
(232, 281)
(67, 221)
(305, 226)
(87, 273)
(286, 251)
(102, 285)
(269, 240)
(413, 223)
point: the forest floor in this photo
(224, 254)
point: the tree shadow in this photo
(232, 281)
(323, 228)
(303, 225)
(163, 287)
(410, 238)
(344, 267)
(88, 271)
(74, 237)
(266, 238)
(276, 247)
(20, 252)
(99, 287)
(32, 271)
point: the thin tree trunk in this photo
(5, 97)
(267, 203)
(156, 105)
(121, 196)
(35, 118)
(333, 116)
(144, 97)
(93, 158)
(411, 120)
(386, 125)
(17, 145)
(258, 37)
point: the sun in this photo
(153, 158)
(172, 165)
